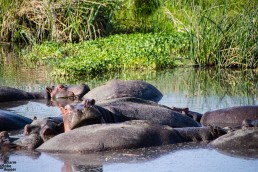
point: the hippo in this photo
(6, 141)
(72, 91)
(118, 88)
(47, 127)
(232, 117)
(39, 131)
(30, 142)
(120, 110)
(246, 138)
(13, 94)
(12, 121)
(195, 115)
(127, 135)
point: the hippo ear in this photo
(49, 90)
(60, 86)
(92, 102)
(88, 102)
(35, 118)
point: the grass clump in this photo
(222, 33)
(61, 21)
(117, 52)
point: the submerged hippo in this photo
(126, 135)
(13, 94)
(232, 116)
(62, 91)
(6, 141)
(39, 131)
(120, 110)
(12, 121)
(118, 88)
(46, 127)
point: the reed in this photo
(61, 21)
(221, 33)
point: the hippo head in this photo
(60, 91)
(85, 113)
(33, 128)
(46, 127)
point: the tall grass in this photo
(222, 33)
(61, 21)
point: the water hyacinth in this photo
(116, 52)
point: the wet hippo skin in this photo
(63, 91)
(39, 131)
(119, 88)
(232, 116)
(122, 109)
(126, 135)
(243, 138)
(12, 121)
(13, 94)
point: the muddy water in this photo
(199, 89)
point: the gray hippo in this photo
(119, 88)
(39, 131)
(120, 110)
(245, 138)
(6, 141)
(126, 135)
(62, 91)
(232, 117)
(241, 143)
(13, 94)
(47, 127)
(12, 121)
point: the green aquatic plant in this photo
(116, 52)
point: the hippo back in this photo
(11, 121)
(232, 117)
(13, 94)
(118, 88)
(134, 108)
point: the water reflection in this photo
(240, 153)
(97, 161)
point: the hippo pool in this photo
(200, 90)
